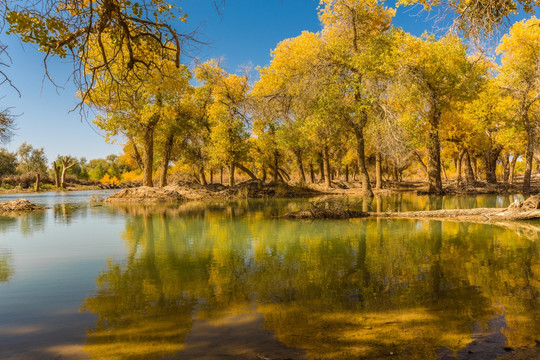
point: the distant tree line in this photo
(28, 165)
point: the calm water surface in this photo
(228, 280)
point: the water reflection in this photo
(6, 267)
(334, 289)
(65, 213)
(27, 223)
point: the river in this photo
(227, 280)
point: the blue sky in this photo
(242, 34)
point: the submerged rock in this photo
(145, 194)
(18, 205)
(307, 214)
(327, 209)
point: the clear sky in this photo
(242, 34)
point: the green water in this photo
(229, 280)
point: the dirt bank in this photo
(246, 190)
(145, 194)
(19, 205)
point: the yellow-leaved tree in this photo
(281, 100)
(136, 105)
(358, 44)
(520, 78)
(435, 75)
(227, 118)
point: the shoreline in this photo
(216, 191)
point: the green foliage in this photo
(113, 166)
(6, 123)
(31, 160)
(8, 162)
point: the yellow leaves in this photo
(228, 133)
(290, 60)
(439, 70)
(106, 179)
(520, 71)
(353, 20)
(520, 51)
(522, 41)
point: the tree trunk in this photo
(63, 177)
(395, 170)
(326, 160)
(276, 166)
(167, 151)
(458, 165)
(232, 168)
(247, 171)
(321, 166)
(444, 172)
(148, 159)
(301, 173)
(361, 158)
(56, 168)
(284, 174)
(312, 173)
(202, 177)
(513, 168)
(38, 181)
(378, 171)
(469, 174)
(346, 173)
(137, 155)
(490, 159)
(528, 160)
(65, 166)
(264, 175)
(221, 175)
(419, 158)
(434, 155)
(505, 160)
(211, 176)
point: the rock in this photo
(145, 194)
(18, 205)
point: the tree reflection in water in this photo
(6, 267)
(335, 289)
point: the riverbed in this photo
(228, 280)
